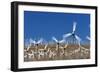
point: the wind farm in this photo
(51, 36)
(67, 48)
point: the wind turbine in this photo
(42, 52)
(29, 45)
(58, 43)
(36, 43)
(72, 34)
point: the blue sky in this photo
(48, 24)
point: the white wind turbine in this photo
(58, 43)
(73, 35)
(29, 45)
(36, 43)
(42, 52)
(31, 41)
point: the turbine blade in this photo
(88, 38)
(74, 26)
(39, 41)
(67, 35)
(62, 41)
(45, 46)
(54, 39)
(32, 41)
(78, 38)
(29, 45)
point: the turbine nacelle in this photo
(36, 42)
(73, 34)
(58, 42)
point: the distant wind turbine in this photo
(36, 43)
(58, 43)
(72, 34)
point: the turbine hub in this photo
(73, 34)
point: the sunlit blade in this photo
(39, 41)
(54, 39)
(29, 45)
(62, 41)
(32, 41)
(88, 38)
(74, 26)
(67, 35)
(45, 46)
(78, 38)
